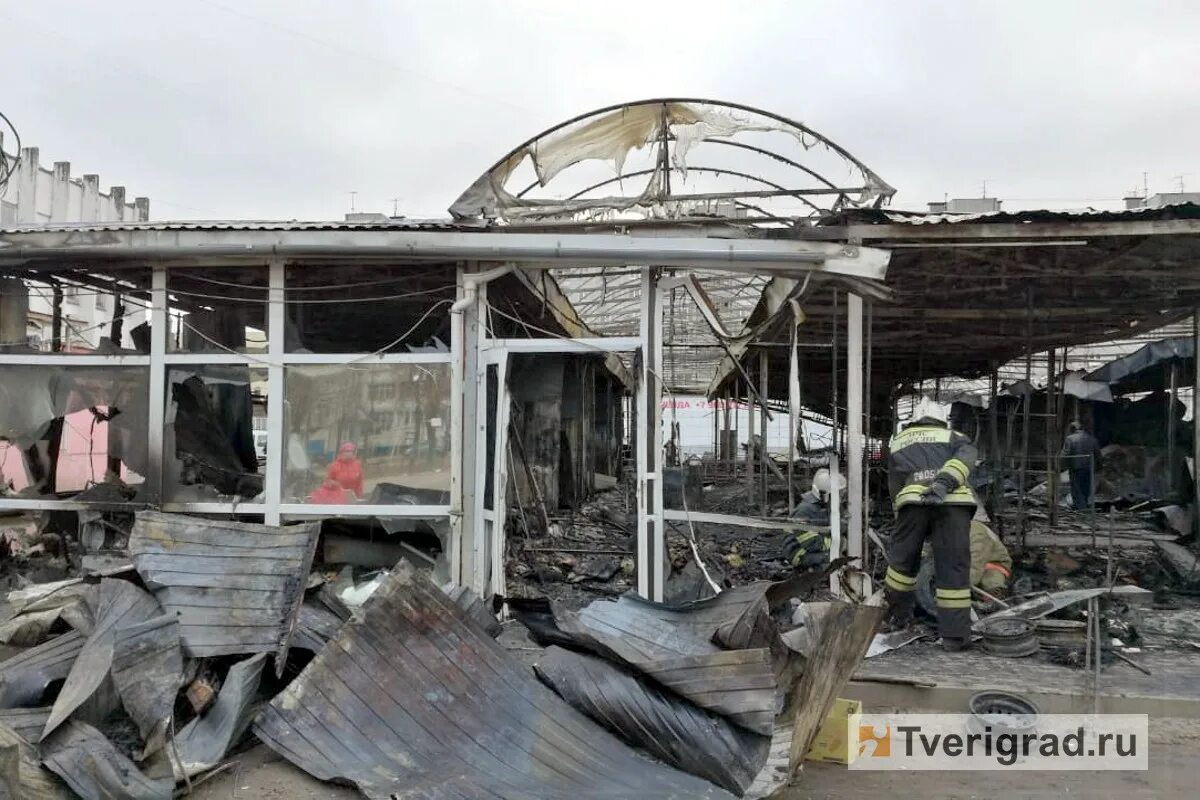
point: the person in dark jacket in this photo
(928, 468)
(1081, 456)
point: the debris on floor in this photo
(139, 681)
(411, 697)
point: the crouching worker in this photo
(928, 468)
(807, 550)
(991, 565)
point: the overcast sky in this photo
(280, 108)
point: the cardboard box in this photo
(837, 740)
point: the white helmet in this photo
(821, 481)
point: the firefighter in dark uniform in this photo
(928, 468)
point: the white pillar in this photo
(27, 174)
(60, 191)
(276, 441)
(854, 429)
(650, 566)
(158, 385)
(90, 210)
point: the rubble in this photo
(155, 668)
(410, 697)
(236, 587)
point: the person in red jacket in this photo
(329, 493)
(347, 470)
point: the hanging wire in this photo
(7, 166)
(365, 357)
(313, 288)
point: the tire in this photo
(925, 587)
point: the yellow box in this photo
(837, 740)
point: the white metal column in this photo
(276, 324)
(650, 565)
(499, 467)
(854, 430)
(480, 547)
(156, 411)
(457, 439)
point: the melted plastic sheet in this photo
(411, 700)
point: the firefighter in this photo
(991, 565)
(928, 468)
(809, 548)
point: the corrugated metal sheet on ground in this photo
(119, 604)
(21, 774)
(26, 722)
(25, 676)
(236, 587)
(668, 727)
(413, 701)
(95, 769)
(674, 645)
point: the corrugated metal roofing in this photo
(252, 225)
(892, 216)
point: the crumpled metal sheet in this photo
(236, 587)
(21, 773)
(204, 741)
(119, 604)
(147, 670)
(475, 609)
(25, 676)
(315, 625)
(29, 613)
(25, 722)
(1143, 369)
(412, 701)
(668, 727)
(95, 770)
(673, 645)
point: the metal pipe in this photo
(867, 391)
(793, 410)
(763, 391)
(1196, 418)
(1051, 436)
(994, 431)
(1173, 377)
(472, 281)
(1026, 403)
(543, 251)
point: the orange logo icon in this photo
(872, 742)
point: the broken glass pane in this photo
(369, 308)
(214, 437)
(363, 433)
(64, 429)
(215, 310)
(98, 312)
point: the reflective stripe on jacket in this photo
(927, 451)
